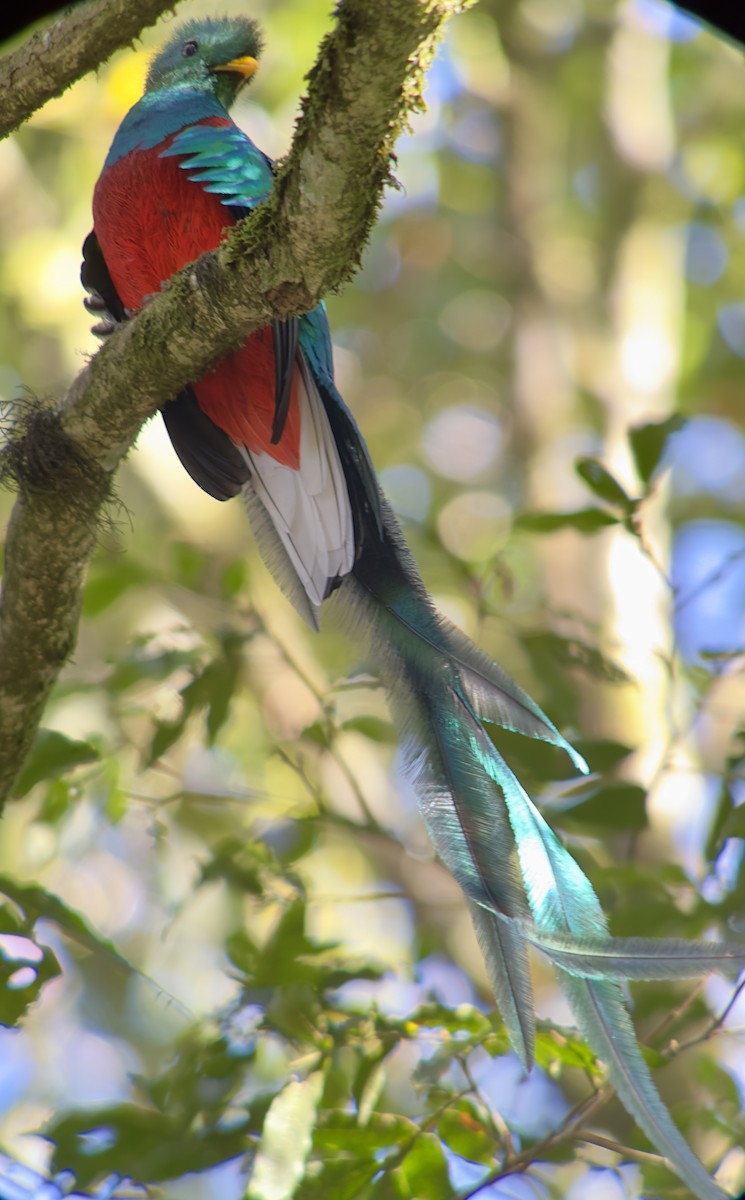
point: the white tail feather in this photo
(309, 508)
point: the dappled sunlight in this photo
(475, 526)
(648, 301)
(638, 103)
(220, 811)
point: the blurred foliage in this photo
(229, 963)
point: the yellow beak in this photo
(246, 66)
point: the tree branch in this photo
(55, 57)
(279, 261)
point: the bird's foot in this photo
(107, 323)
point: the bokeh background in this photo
(558, 277)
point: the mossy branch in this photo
(303, 242)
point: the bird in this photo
(267, 423)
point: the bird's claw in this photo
(104, 328)
(94, 302)
(107, 324)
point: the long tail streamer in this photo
(523, 888)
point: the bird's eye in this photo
(189, 48)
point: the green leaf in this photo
(465, 1018)
(56, 802)
(289, 958)
(166, 734)
(550, 649)
(138, 1142)
(654, 1059)
(318, 733)
(648, 443)
(339, 1132)
(286, 1140)
(584, 520)
(719, 1083)
(424, 1171)
(188, 564)
(600, 481)
(658, 1179)
(641, 901)
(497, 1044)
(369, 1077)
(465, 1128)
(212, 688)
(25, 966)
(429, 1071)
(374, 728)
(621, 806)
(721, 817)
(554, 1051)
(37, 903)
(243, 952)
(233, 578)
(721, 657)
(117, 797)
(110, 581)
(602, 754)
(337, 1087)
(138, 663)
(734, 825)
(343, 1178)
(373, 1088)
(535, 763)
(205, 1073)
(246, 866)
(53, 754)
(224, 679)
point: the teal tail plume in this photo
(563, 902)
(440, 688)
(522, 886)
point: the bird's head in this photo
(217, 54)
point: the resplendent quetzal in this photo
(268, 423)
